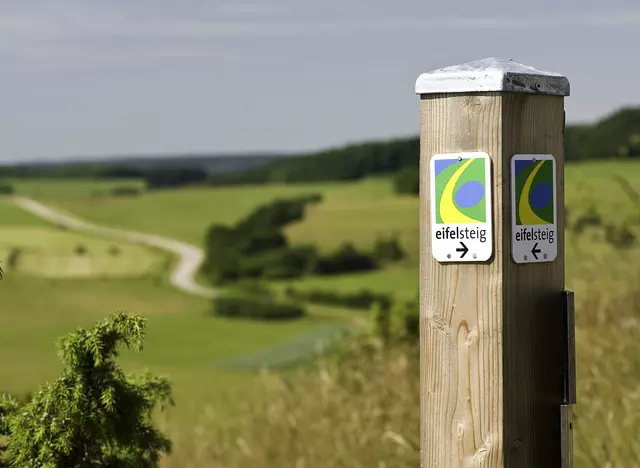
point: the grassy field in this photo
(47, 250)
(197, 350)
(602, 254)
(350, 211)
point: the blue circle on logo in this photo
(469, 194)
(540, 195)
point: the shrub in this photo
(221, 268)
(81, 250)
(221, 259)
(388, 250)
(253, 288)
(93, 414)
(621, 237)
(397, 321)
(313, 198)
(589, 219)
(364, 299)
(407, 181)
(14, 257)
(256, 247)
(345, 259)
(235, 306)
(262, 239)
(6, 188)
(276, 214)
(288, 262)
(125, 191)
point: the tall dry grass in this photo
(607, 420)
(363, 411)
(360, 412)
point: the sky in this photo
(87, 78)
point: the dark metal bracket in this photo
(569, 350)
(569, 374)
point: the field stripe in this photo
(290, 353)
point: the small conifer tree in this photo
(93, 414)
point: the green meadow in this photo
(213, 361)
(355, 212)
(199, 351)
(49, 251)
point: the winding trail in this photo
(190, 257)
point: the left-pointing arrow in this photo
(464, 249)
(535, 251)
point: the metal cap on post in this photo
(493, 332)
(492, 74)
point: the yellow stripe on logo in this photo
(449, 213)
(527, 216)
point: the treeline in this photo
(256, 247)
(154, 178)
(348, 163)
(617, 135)
(136, 167)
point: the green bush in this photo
(6, 188)
(621, 237)
(235, 306)
(589, 219)
(260, 240)
(253, 288)
(125, 191)
(94, 414)
(344, 260)
(398, 321)
(277, 214)
(288, 262)
(407, 181)
(364, 299)
(14, 257)
(388, 250)
(257, 247)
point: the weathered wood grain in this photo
(491, 333)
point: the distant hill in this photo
(346, 163)
(616, 135)
(137, 166)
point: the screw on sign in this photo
(461, 228)
(533, 199)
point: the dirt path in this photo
(190, 257)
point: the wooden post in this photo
(493, 333)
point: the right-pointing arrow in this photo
(535, 251)
(464, 249)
